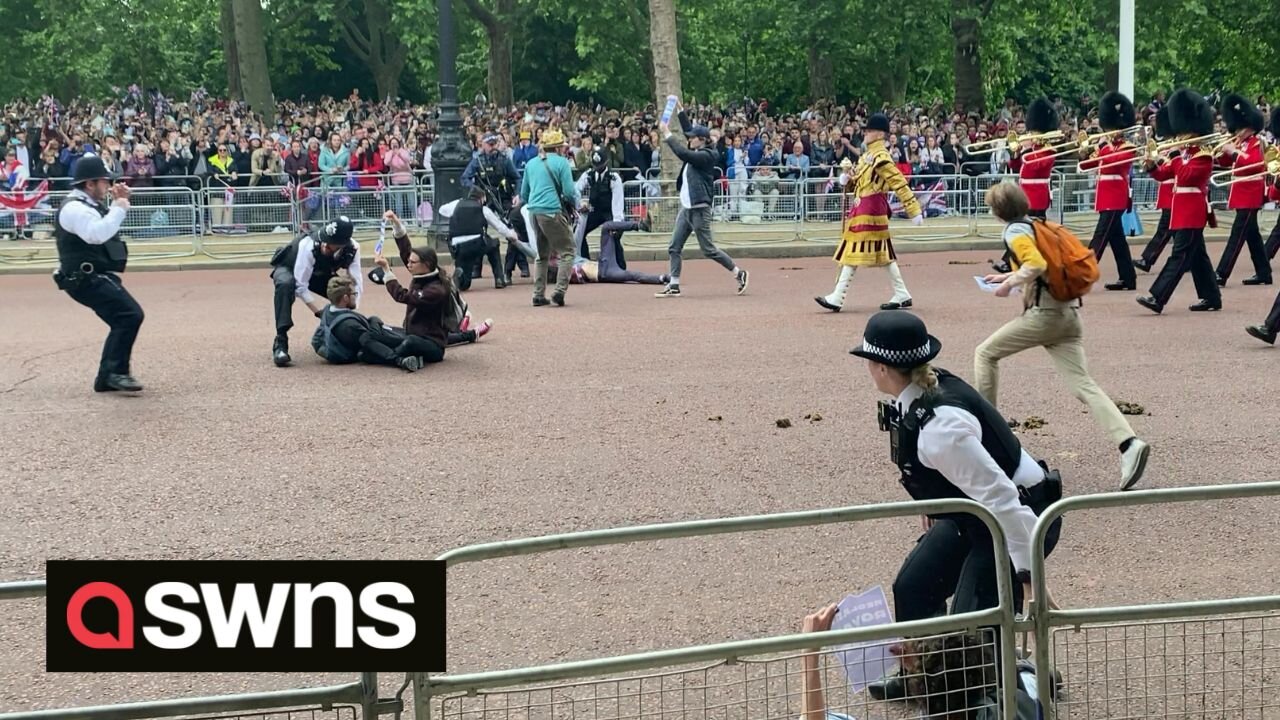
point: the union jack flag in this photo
(20, 202)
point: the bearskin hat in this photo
(1189, 114)
(1238, 113)
(1116, 112)
(1163, 130)
(1041, 116)
(1275, 123)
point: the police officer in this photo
(469, 241)
(302, 269)
(90, 254)
(601, 193)
(948, 442)
(494, 173)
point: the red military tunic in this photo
(1246, 194)
(1274, 192)
(1113, 179)
(1163, 173)
(1034, 168)
(1191, 190)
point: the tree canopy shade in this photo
(974, 52)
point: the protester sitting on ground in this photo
(343, 335)
(425, 299)
(952, 677)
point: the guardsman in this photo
(302, 269)
(1113, 161)
(1273, 193)
(865, 241)
(1244, 153)
(1032, 160)
(1162, 173)
(1189, 117)
(90, 256)
(1266, 332)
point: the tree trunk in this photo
(228, 28)
(666, 77)
(967, 58)
(376, 44)
(822, 75)
(497, 28)
(251, 53)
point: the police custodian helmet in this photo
(89, 167)
(337, 231)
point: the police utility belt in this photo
(1037, 497)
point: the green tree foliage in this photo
(584, 51)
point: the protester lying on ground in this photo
(951, 677)
(606, 269)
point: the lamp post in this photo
(1126, 48)
(452, 151)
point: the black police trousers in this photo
(285, 293)
(954, 559)
(104, 294)
(468, 253)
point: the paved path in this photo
(591, 416)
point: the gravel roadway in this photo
(592, 416)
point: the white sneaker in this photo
(1133, 462)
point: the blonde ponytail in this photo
(926, 377)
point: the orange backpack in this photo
(1071, 268)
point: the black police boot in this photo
(280, 351)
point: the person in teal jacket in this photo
(547, 184)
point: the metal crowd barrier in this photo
(1207, 658)
(1211, 658)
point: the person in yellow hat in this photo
(546, 187)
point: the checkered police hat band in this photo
(899, 356)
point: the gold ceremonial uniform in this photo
(865, 240)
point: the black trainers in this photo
(413, 363)
(669, 291)
(742, 281)
(539, 301)
(558, 299)
(280, 351)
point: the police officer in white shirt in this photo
(90, 254)
(302, 269)
(601, 193)
(469, 218)
(948, 442)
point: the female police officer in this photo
(948, 442)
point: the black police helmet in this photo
(337, 232)
(89, 167)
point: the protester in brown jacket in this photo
(425, 297)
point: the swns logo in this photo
(245, 616)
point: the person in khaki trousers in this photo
(1051, 324)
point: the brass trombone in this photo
(1084, 141)
(1152, 149)
(1270, 165)
(1011, 141)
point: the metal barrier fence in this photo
(1215, 658)
(203, 216)
(1208, 658)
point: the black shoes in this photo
(280, 351)
(1255, 280)
(1206, 306)
(822, 300)
(499, 283)
(1222, 282)
(558, 299)
(1262, 333)
(117, 383)
(539, 301)
(1121, 285)
(896, 305)
(1142, 265)
(1151, 304)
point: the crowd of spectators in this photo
(149, 140)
